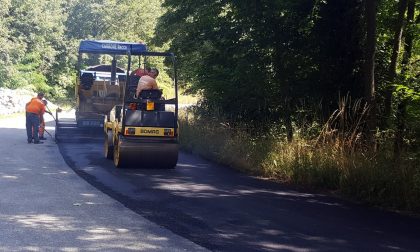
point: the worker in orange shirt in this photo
(140, 72)
(34, 109)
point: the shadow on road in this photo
(44, 206)
(222, 209)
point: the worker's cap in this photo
(40, 94)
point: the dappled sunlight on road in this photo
(24, 169)
(197, 188)
(195, 166)
(54, 173)
(103, 233)
(270, 246)
(89, 195)
(42, 221)
(92, 237)
(9, 177)
(280, 193)
(191, 188)
(279, 240)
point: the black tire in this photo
(108, 145)
(118, 162)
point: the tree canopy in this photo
(267, 60)
(251, 61)
(39, 38)
(255, 56)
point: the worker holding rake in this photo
(42, 122)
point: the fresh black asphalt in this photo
(225, 210)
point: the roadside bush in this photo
(335, 160)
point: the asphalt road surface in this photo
(224, 210)
(45, 206)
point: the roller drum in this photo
(146, 153)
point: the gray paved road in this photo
(45, 206)
(224, 210)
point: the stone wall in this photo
(13, 101)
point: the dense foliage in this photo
(39, 38)
(255, 57)
(281, 61)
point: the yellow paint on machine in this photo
(149, 131)
(108, 125)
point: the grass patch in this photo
(187, 99)
(372, 177)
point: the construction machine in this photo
(98, 88)
(142, 131)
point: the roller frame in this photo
(141, 151)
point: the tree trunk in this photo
(409, 36)
(369, 68)
(392, 72)
(402, 106)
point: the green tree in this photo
(408, 93)
(396, 44)
(257, 60)
(4, 45)
(35, 29)
(113, 20)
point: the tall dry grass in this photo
(336, 159)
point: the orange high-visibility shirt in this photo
(35, 106)
(139, 72)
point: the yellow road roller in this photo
(143, 130)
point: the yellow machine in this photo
(143, 131)
(139, 131)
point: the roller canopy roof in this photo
(104, 68)
(112, 47)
